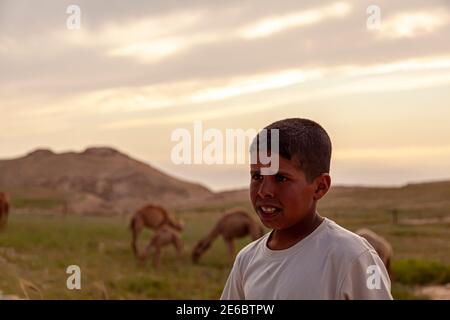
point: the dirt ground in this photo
(436, 292)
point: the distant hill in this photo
(418, 199)
(106, 181)
(97, 180)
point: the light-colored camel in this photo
(164, 236)
(4, 210)
(234, 224)
(381, 246)
(152, 217)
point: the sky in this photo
(136, 71)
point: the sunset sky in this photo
(137, 70)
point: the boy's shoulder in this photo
(328, 237)
(344, 242)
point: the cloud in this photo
(149, 38)
(272, 25)
(138, 45)
(412, 153)
(253, 84)
(154, 38)
(170, 95)
(224, 96)
(414, 24)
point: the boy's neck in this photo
(286, 238)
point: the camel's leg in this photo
(136, 229)
(230, 246)
(3, 217)
(155, 243)
(2, 221)
(178, 245)
(157, 256)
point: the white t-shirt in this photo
(330, 263)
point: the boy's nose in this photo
(266, 189)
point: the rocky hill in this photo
(96, 180)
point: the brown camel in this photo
(4, 210)
(164, 236)
(381, 246)
(152, 217)
(233, 224)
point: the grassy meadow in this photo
(37, 249)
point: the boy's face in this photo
(284, 199)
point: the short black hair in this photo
(304, 141)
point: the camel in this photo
(164, 236)
(234, 224)
(381, 246)
(4, 210)
(152, 217)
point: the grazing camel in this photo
(381, 246)
(164, 236)
(233, 224)
(4, 210)
(152, 217)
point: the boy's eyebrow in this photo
(284, 173)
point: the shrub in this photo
(420, 272)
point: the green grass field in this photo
(39, 248)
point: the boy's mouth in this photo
(267, 212)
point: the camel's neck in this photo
(173, 224)
(212, 235)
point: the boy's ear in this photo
(323, 183)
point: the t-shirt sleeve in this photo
(366, 279)
(234, 287)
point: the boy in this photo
(305, 256)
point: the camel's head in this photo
(177, 224)
(199, 249)
(182, 224)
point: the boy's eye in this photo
(281, 178)
(256, 176)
